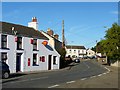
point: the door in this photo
(18, 62)
(49, 62)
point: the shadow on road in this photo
(72, 65)
(16, 75)
(13, 77)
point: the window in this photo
(4, 57)
(34, 44)
(42, 58)
(4, 41)
(70, 51)
(19, 43)
(34, 59)
(82, 51)
(54, 60)
(74, 51)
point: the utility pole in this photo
(63, 37)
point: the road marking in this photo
(100, 75)
(107, 72)
(87, 65)
(104, 73)
(39, 78)
(83, 78)
(29, 80)
(53, 86)
(93, 76)
(70, 82)
(107, 69)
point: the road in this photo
(52, 79)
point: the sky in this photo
(83, 21)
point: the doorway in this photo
(49, 61)
(18, 62)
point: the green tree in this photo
(111, 44)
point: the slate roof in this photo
(6, 28)
(75, 47)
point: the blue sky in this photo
(84, 21)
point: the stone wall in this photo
(116, 64)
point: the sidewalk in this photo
(109, 80)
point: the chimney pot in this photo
(34, 19)
(50, 32)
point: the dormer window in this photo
(19, 43)
(4, 42)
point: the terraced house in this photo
(75, 51)
(26, 49)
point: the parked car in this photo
(4, 70)
(77, 60)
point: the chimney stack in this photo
(50, 32)
(34, 23)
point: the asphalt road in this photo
(51, 79)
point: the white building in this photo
(75, 51)
(90, 53)
(26, 49)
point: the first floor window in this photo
(4, 57)
(54, 60)
(74, 51)
(19, 43)
(4, 41)
(34, 44)
(34, 59)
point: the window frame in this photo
(6, 56)
(35, 63)
(54, 60)
(35, 48)
(4, 41)
(19, 43)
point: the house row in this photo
(25, 49)
(75, 51)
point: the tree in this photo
(111, 44)
(62, 52)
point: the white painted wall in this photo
(90, 53)
(33, 25)
(76, 53)
(28, 53)
(11, 61)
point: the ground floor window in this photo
(34, 59)
(4, 57)
(54, 60)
